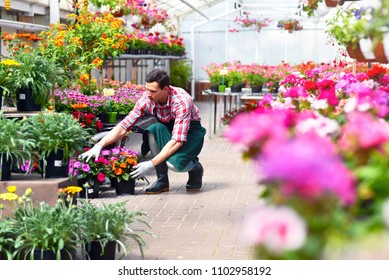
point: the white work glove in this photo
(141, 169)
(94, 152)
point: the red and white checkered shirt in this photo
(179, 107)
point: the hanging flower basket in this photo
(331, 3)
(290, 25)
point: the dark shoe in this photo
(162, 183)
(195, 177)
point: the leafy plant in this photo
(37, 72)
(15, 142)
(54, 131)
(113, 222)
(234, 78)
(46, 228)
(348, 26)
(6, 238)
(180, 73)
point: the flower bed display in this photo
(330, 196)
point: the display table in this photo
(231, 98)
(42, 189)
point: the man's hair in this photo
(160, 76)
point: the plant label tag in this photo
(90, 190)
(22, 96)
(108, 91)
(58, 163)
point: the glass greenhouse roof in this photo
(275, 8)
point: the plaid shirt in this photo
(178, 108)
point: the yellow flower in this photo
(10, 62)
(9, 196)
(2, 206)
(365, 192)
(11, 189)
(72, 189)
(28, 192)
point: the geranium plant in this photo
(290, 25)
(246, 22)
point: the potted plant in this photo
(109, 228)
(215, 78)
(255, 80)
(43, 231)
(59, 136)
(5, 66)
(121, 164)
(378, 29)
(348, 27)
(34, 78)
(235, 80)
(90, 175)
(6, 238)
(15, 145)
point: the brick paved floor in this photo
(204, 225)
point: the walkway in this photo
(197, 226)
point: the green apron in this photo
(190, 149)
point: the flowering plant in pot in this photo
(121, 164)
(43, 231)
(5, 66)
(110, 228)
(349, 26)
(58, 136)
(35, 74)
(90, 174)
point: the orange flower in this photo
(119, 171)
(78, 106)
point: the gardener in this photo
(174, 141)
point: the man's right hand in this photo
(94, 152)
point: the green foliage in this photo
(234, 78)
(37, 72)
(123, 107)
(15, 142)
(54, 131)
(347, 27)
(180, 73)
(44, 227)
(6, 238)
(112, 222)
(254, 79)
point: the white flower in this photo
(276, 228)
(319, 104)
(322, 126)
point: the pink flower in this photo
(276, 228)
(363, 131)
(254, 129)
(101, 177)
(308, 166)
(85, 167)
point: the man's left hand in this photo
(141, 169)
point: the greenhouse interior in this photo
(194, 130)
